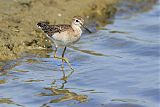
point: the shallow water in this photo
(117, 66)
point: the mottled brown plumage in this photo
(51, 29)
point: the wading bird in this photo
(63, 35)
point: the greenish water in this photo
(117, 66)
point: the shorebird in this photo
(64, 35)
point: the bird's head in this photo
(79, 21)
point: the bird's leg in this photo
(55, 56)
(63, 59)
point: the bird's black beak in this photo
(86, 28)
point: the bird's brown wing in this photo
(56, 29)
(51, 29)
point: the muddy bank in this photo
(18, 18)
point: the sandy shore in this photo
(18, 18)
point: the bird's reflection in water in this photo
(62, 94)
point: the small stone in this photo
(59, 14)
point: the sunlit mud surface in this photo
(117, 66)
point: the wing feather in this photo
(51, 29)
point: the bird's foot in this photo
(67, 61)
(64, 59)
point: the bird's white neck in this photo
(76, 28)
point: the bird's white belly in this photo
(65, 39)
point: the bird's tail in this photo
(43, 25)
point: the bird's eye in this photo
(77, 21)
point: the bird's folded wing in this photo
(51, 29)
